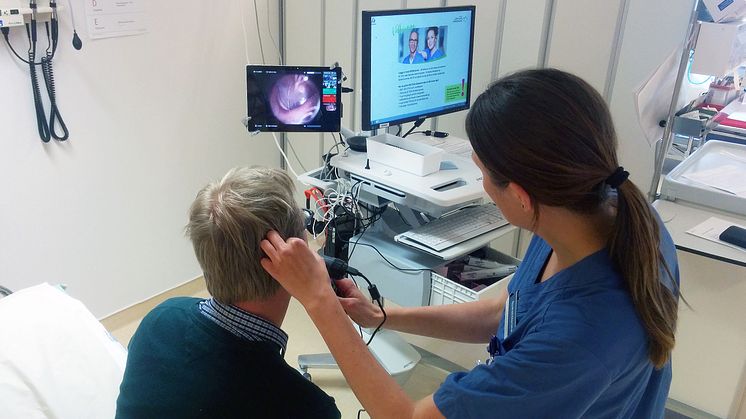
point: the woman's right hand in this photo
(356, 305)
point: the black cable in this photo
(404, 220)
(46, 128)
(375, 296)
(352, 277)
(426, 132)
(6, 32)
(359, 412)
(54, 111)
(360, 236)
(41, 118)
(357, 242)
(328, 157)
(52, 43)
(399, 131)
(390, 263)
(416, 125)
(379, 325)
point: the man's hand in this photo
(357, 306)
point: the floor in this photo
(304, 339)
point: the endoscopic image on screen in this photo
(294, 99)
(422, 45)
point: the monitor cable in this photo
(416, 125)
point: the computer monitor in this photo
(416, 64)
(293, 98)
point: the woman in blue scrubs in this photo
(586, 327)
(432, 52)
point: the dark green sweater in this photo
(182, 365)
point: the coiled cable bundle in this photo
(54, 111)
(47, 128)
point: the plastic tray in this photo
(712, 155)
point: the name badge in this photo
(509, 313)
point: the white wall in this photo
(152, 119)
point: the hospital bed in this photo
(56, 359)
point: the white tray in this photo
(712, 155)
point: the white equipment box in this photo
(720, 48)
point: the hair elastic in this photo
(617, 178)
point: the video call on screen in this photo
(419, 64)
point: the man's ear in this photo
(521, 196)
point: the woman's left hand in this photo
(297, 268)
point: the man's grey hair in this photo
(229, 219)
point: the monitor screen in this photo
(416, 64)
(292, 98)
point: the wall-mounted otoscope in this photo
(47, 126)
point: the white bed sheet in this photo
(56, 359)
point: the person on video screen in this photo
(432, 51)
(414, 57)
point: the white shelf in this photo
(681, 216)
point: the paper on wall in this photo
(112, 18)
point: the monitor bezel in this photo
(295, 68)
(366, 61)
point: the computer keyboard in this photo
(458, 227)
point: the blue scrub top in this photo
(437, 54)
(578, 349)
(416, 60)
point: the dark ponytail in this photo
(634, 247)
(551, 133)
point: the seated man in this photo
(223, 357)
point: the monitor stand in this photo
(357, 143)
